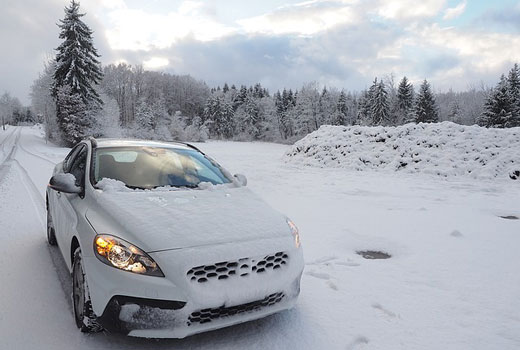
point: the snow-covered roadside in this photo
(451, 283)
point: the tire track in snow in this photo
(36, 155)
(3, 144)
(35, 196)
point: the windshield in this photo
(150, 167)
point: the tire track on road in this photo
(36, 155)
(4, 164)
(3, 144)
(35, 196)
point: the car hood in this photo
(163, 220)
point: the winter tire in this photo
(51, 235)
(85, 318)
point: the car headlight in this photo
(120, 254)
(295, 233)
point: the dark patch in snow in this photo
(456, 233)
(373, 254)
(358, 343)
(514, 175)
(508, 217)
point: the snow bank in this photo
(444, 149)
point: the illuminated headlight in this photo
(120, 254)
(295, 233)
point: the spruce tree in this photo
(340, 117)
(364, 113)
(248, 117)
(219, 113)
(379, 103)
(497, 108)
(425, 108)
(513, 81)
(76, 61)
(405, 100)
(283, 104)
(72, 115)
(78, 69)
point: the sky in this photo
(455, 44)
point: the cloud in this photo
(305, 18)
(334, 42)
(136, 29)
(154, 63)
(409, 9)
(454, 12)
(508, 18)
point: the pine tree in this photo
(364, 113)
(240, 97)
(284, 104)
(379, 103)
(425, 108)
(225, 89)
(248, 117)
(78, 69)
(326, 107)
(498, 108)
(405, 100)
(513, 81)
(281, 113)
(219, 115)
(340, 117)
(454, 114)
(73, 117)
(76, 61)
(144, 117)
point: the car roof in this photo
(113, 142)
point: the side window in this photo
(70, 158)
(78, 165)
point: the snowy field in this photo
(452, 282)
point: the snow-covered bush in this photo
(444, 149)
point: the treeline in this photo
(12, 111)
(146, 104)
(502, 108)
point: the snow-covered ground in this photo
(452, 281)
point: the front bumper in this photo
(150, 318)
(178, 305)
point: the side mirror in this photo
(65, 183)
(241, 179)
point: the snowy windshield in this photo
(151, 167)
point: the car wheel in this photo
(51, 235)
(85, 318)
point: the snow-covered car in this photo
(161, 241)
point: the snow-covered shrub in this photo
(444, 149)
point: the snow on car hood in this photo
(161, 220)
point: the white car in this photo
(161, 241)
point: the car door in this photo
(66, 202)
(55, 196)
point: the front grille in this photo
(241, 267)
(208, 315)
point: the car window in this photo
(70, 157)
(149, 167)
(78, 165)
